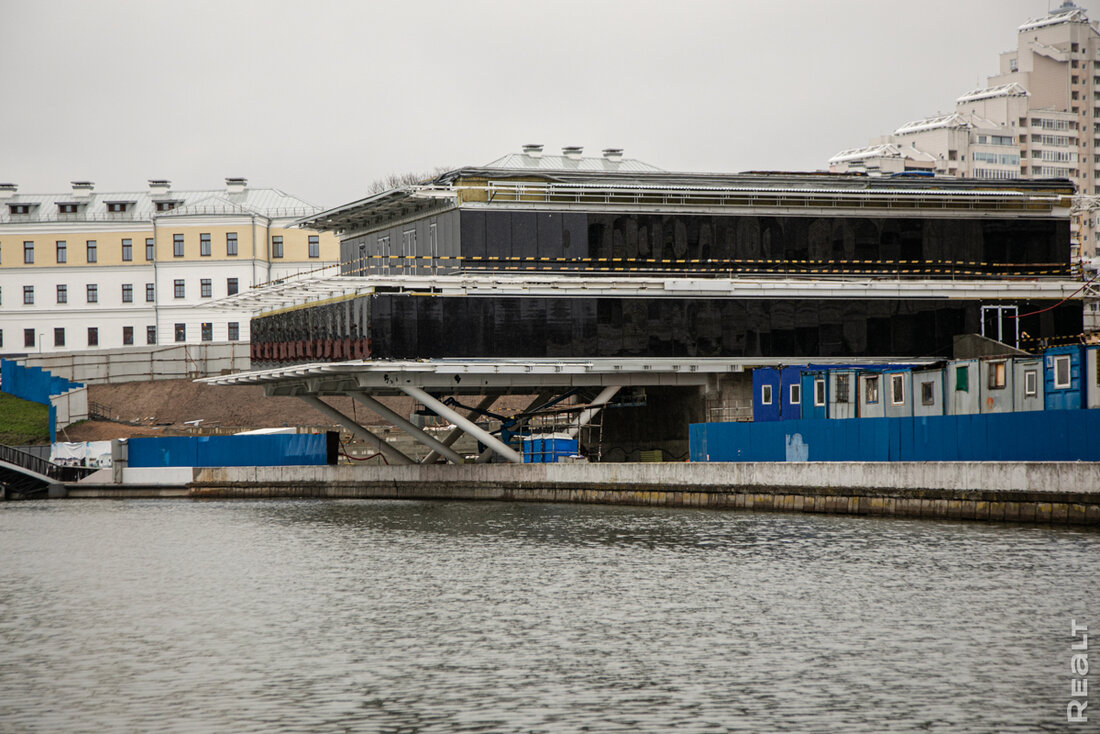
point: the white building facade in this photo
(83, 270)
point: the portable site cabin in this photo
(1027, 384)
(996, 387)
(815, 393)
(843, 393)
(1092, 376)
(898, 386)
(765, 394)
(962, 388)
(790, 385)
(871, 395)
(1062, 377)
(928, 392)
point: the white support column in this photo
(589, 413)
(331, 413)
(465, 424)
(400, 422)
(456, 432)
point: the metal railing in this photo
(33, 463)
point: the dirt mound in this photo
(165, 407)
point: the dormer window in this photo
(67, 208)
(166, 206)
(20, 208)
(117, 207)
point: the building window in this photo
(997, 379)
(166, 206)
(204, 245)
(150, 293)
(231, 243)
(897, 389)
(927, 393)
(181, 332)
(230, 286)
(93, 293)
(150, 248)
(207, 331)
(794, 394)
(177, 288)
(127, 335)
(842, 390)
(93, 336)
(19, 208)
(116, 207)
(177, 245)
(871, 385)
(234, 331)
(59, 336)
(28, 337)
(28, 253)
(314, 246)
(62, 294)
(1061, 372)
(67, 208)
(91, 251)
(127, 293)
(819, 389)
(62, 251)
(127, 250)
(962, 378)
(150, 335)
(276, 247)
(765, 394)
(28, 295)
(205, 288)
(1031, 383)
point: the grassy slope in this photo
(23, 422)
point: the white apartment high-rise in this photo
(1039, 117)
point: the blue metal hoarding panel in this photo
(303, 449)
(1032, 436)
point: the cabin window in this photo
(897, 389)
(927, 393)
(765, 394)
(962, 379)
(1061, 372)
(871, 385)
(997, 376)
(795, 394)
(842, 391)
(1031, 383)
(819, 392)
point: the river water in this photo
(325, 616)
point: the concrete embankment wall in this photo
(1047, 492)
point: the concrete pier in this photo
(1047, 492)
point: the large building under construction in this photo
(661, 280)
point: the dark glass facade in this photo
(924, 247)
(418, 327)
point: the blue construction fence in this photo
(34, 384)
(1033, 436)
(294, 449)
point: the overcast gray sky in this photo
(319, 98)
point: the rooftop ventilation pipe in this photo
(236, 185)
(572, 152)
(82, 189)
(613, 154)
(7, 190)
(533, 150)
(159, 186)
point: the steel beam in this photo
(541, 398)
(464, 423)
(333, 414)
(420, 435)
(589, 413)
(456, 432)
